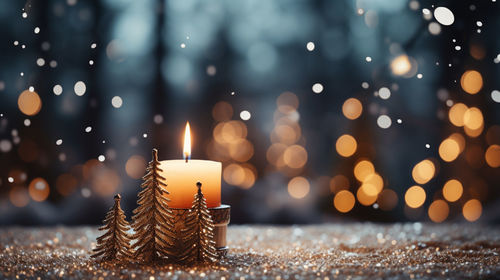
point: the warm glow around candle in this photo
(187, 142)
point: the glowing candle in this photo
(181, 177)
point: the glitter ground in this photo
(315, 252)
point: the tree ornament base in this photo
(220, 215)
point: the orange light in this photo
(362, 169)
(449, 150)
(423, 171)
(187, 143)
(29, 103)
(352, 108)
(471, 81)
(344, 201)
(472, 210)
(456, 114)
(346, 145)
(39, 189)
(298, 187)
(438, 211)
(492, 155)
(452, 190)
(415, 196)
(473, 118)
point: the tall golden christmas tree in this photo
(152, 218)
(114, 244)
(198, 232)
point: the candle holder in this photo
(221, 216)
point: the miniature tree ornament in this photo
(154, 231)
(198, 235)
(115, 242)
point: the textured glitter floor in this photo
(314, 252)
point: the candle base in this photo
(220, 215)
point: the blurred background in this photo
(320, 111)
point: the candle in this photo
(182, 175)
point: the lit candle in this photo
(181, 177)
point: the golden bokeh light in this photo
(352, 108)
(222, 111)
(473, 118)
(362, 169)
(344, 201)
(456, 114)
(452, 190)
(39, 189)
(66, 184)
(18, 196)
(338, 183)
(346, 145)
(135, 167)
(298, 187)
(29, 103)
(477, 52)
(401, 65)
(474, 132)
(472, 210)
(287, 133)
(373, 184)
(423, 171)
(387, 200)
(415, 196)
(492, 156)
(295, 156)
(471, 81)
(457, 137)
(449, 150)
(438, 211)
(364, 198)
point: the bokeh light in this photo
(295, 156)
(452, 190)
(29, 103)
(352, 108)
(415, 196)
(344, 201)
(448, 150)
(492, 156)
(298, 187)
(423, 171)
(438, 211)
(472, 210)
(346, 145)
(471, 81)
(456, 114)
(39, 189)
(363, 169)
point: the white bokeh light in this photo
(495, 95)
(444, 16)
(57, 89)
(116, 101)
(384, 121)
(317, 88)
(80, 88)
(310, 46)
(384, 93)
(245, 115)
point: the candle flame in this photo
(187, 143)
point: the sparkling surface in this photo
(404, 251)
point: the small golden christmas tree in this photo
(198, 232)
(115, 242)
(152, 218)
